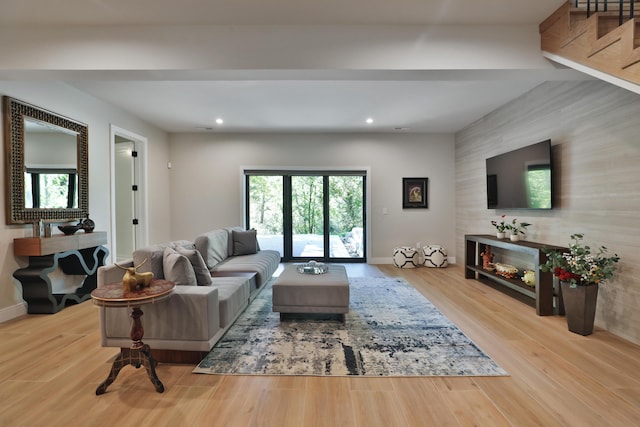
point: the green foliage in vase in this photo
(580, 266)
(500, 226)
(517, 227)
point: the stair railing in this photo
(595, 5)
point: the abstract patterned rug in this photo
(391, 330)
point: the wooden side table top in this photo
(113, 295)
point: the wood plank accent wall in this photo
(594, 128)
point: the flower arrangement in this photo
(500, 226)
(517, 228)
(579, 266)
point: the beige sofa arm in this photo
(111, 274)
(188, 320)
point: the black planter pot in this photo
(580, 307)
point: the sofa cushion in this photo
(244, 242)
(213, 246)
(154, 256)
(178, 268)
(233, 297)
(150, 259)
(264, 263)
(237, 228)
(230, 230)
(203, 276)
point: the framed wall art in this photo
(415, 193)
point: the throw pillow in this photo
(177, 268)
(203, 275)
(244, 242)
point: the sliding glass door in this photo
(346, 221)
(264, 209)
(317, 215)
(307, 217)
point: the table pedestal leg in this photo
(138, 355)
(137, 331)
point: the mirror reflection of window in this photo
(51, 188)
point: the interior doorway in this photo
(128, 172)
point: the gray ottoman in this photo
(295, 292)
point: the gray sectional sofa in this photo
(216, 275)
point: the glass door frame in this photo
(286, 175)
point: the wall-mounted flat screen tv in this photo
(521, 179)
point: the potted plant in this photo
(517, 228)
(500, 227)
(580, 271)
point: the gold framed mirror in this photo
(46, 164)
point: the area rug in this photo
(391, 330)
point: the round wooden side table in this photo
(139, 354)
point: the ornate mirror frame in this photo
(15, 112)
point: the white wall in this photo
(206, 180)
(64, 100)
(52, 149)
(594, 128)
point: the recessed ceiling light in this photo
(369, 120)
(219, 121)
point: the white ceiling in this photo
(425, 101)
(395, 104)
(275, 12)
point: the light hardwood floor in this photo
(51, 365)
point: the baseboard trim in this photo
(11, 312)
(380, 261)
(451, 260)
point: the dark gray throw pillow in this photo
(244, 242)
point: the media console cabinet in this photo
(546, 292)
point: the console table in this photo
(79, 254)
(546, 293)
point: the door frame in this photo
(320, 170)
(141, 196)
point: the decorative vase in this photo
(514, 237)
(500, 234)
(580, 307)
(87, 225)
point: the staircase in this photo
(600, 35)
